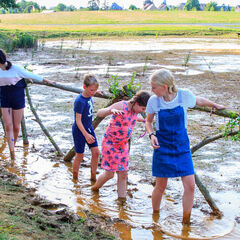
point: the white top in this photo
(155, 104)
(14, 74)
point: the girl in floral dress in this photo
(115, 149)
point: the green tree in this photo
(192, 5)
(132, 7)
(8, 4)
(212, 6)
(61, 7)
(92, 5)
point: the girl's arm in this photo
(89, 138)
(149, 127)
(116, 108)
(26, 74)
(203, 102)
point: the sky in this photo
(127, 3)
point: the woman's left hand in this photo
(49, 82)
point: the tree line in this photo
(10, 6)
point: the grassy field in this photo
(73, 24)
(116, 17)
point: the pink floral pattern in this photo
(115, 149)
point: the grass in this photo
(118, 17)
(124, 23)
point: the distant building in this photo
(223, 8)
(150, 7)
(181, 6)
(237, 8)
(202, 6)
(115, 6)
(163, 7)
(48, 11)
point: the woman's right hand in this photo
(117, 112)
(154, 142)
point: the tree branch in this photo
(59, 152)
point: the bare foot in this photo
(12, 155)
(75, 175)
(94, 188)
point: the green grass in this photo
(118, 17)
(75, 24)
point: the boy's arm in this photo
(89, 138)
(116, 108)
(201, 101)
(149, 127)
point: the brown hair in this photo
(3, 59)
(90, 79)
(141, 97)
(164, 77)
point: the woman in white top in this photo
(12, 84)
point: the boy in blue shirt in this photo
(82, 128)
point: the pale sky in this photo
(127, 3)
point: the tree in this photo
(192, 5)
(61, 7)
(212, 6)
(92, 5)
(132, 7)
(8, 4)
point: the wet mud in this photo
(208, 67)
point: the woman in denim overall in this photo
(172, 155)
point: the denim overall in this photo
(173, 157)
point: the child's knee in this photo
(95, 152)
(123, 175)
(109, 175)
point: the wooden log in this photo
(222, 113)
(45, 131)
(200, 185)
(24, 131)
(70, 89)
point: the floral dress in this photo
(115, 149)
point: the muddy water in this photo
(212, 71)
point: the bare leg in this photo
(17, 118)
(157, 193)
(94, 162)
(76, 164)
(122, 184)
(103, 178)
(188, 195)
(8, 122)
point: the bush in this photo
(19, 40)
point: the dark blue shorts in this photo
(13, 96)
(79, 139)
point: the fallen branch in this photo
(70, 89)
(222, 113)
(24, 131)
(200, 185)
(59, 152)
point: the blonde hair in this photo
(164, 77)
(90, 79)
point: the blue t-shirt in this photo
(188, 101)
(84, 106)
